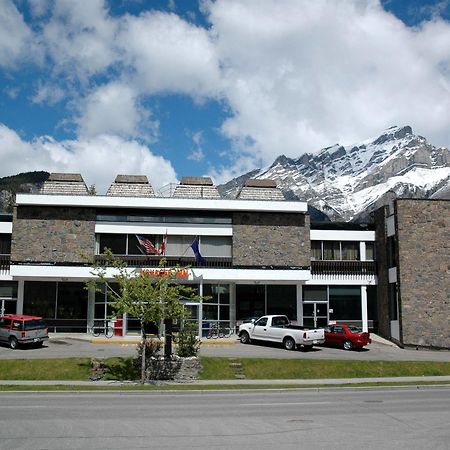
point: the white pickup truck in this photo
(278, 329)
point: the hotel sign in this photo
(177, 273)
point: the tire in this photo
(109, 332)
(95, 331)
(289, 343)
(13, 342)
(348, 345)
(38, 344)
(245, 338)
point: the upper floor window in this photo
(176, 245)
(335, 251)
(5, 244)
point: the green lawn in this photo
(224, 368)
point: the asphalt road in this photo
(396, 418)
(65, 347)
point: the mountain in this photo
(23, 182)
(347, 183)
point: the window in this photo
(261, 322)
(331, 251)
(345, 301)
(350, 251)
(316, 250)
(5, 244)
(370, 251)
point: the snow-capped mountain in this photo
(349, 182)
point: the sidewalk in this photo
(249, 383)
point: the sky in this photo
(173, 88)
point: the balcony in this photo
(5, 262)
(153, 261)
(343, 269)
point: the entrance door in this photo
(315, 314)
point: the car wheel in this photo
(245, 337)
(13, 342)
(289, 343)
(348, 345)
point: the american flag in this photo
(146, 245)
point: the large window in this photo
(345, 301)
(335, 251)
(176, 246)
(5, 244)
(282, 299)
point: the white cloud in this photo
(99, 159)
(114, 108)
(79, 38)
(169, 54)
(16, 39)
(47, 93)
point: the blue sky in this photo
(169, 88)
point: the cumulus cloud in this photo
(114, 108)
(16, 38)
(98, 159)
(169, 54)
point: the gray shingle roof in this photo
(196, 187)
(131, 186)
(254, 189)
(64, 184)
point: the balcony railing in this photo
(5, 262)
(343, 268)
(153, 261)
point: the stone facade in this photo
(423, 228)
(52, 234)
(269, 239)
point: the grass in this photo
(224, 369)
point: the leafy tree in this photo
(151, 299)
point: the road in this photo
(66, 347)
(396, 418)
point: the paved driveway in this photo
(67, 347)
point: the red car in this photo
(346, 336)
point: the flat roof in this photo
(169, 203)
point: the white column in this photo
(20, 291)
(90, 308)
(362, 251)
(365, 320)
(300, 304)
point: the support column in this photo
(20, 293)
(300, 304)
(364, 315)
(232, 290)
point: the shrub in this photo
(188, 343)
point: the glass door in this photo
(315, 314)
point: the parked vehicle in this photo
(346, 336)
(279, 329)
(16, 330)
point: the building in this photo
(261, 253)
(413, 247)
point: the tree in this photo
(150, 296)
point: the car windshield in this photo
(354, 329)
(35, 324)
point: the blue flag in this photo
(199, 258)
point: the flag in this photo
(199, 258)
(162, 249)
(146, 246)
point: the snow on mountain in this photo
(348, 182)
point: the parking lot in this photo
(70, 346)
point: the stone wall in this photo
(424, 271)
(261, 239)
(52, 234)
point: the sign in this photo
(178, 273)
